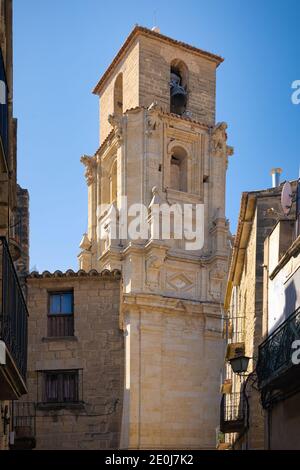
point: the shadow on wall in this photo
(291, 302)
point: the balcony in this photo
(275, 369)
(13, 329)
(24, 425)
(3, 113)
(234, 413)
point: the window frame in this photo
(60, 373)
(51, 316)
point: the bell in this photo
(178, 95)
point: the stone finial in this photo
(116, 123)
(85, 243)
(155, 197)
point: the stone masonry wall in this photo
(96, 348)
(154, 78)
(251, 305)
(146, 78)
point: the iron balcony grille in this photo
(3, 108)
(233, 412)
(24, 425)
(13, 313)
(275, 353)
(24, 418)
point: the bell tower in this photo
(160, 147)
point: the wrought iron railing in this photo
(275, 353)
(13, 313)
(233, 410)
(3, 108)
(24, 418)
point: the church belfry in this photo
(160, 147)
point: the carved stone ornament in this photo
(152, 122)
(216, 278)
(90, 164)
(85, 243)
(117, 124)
(153, 265)
(218, 141)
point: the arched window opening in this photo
(113, 183)
(178, 170)
(178, 87)
(118, 95)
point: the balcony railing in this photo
(24, 424)
(13, 313)
(3, 108)
(233, 412)
(275, 353)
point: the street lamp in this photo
(239, 364)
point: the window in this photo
(118, 96)
(178, 87)
(60, 315)
(61, 386)
(178, 170)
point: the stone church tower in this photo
(159, 144)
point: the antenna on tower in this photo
(155, 28)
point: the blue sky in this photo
(62, 47)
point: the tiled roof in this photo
(115, 274)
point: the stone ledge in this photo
(49, 339)
(60, 406)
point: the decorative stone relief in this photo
(179, 283)
(117, 123)
(218, 140)
(153, 265)
(90, 164)
(152, 121)
(219, 147)
(216, 279)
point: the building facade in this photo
(160, 145)
(75, 363)
(13, 309)
(242, 415)
(278, 359)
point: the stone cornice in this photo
(171, 304)
(112, 138)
